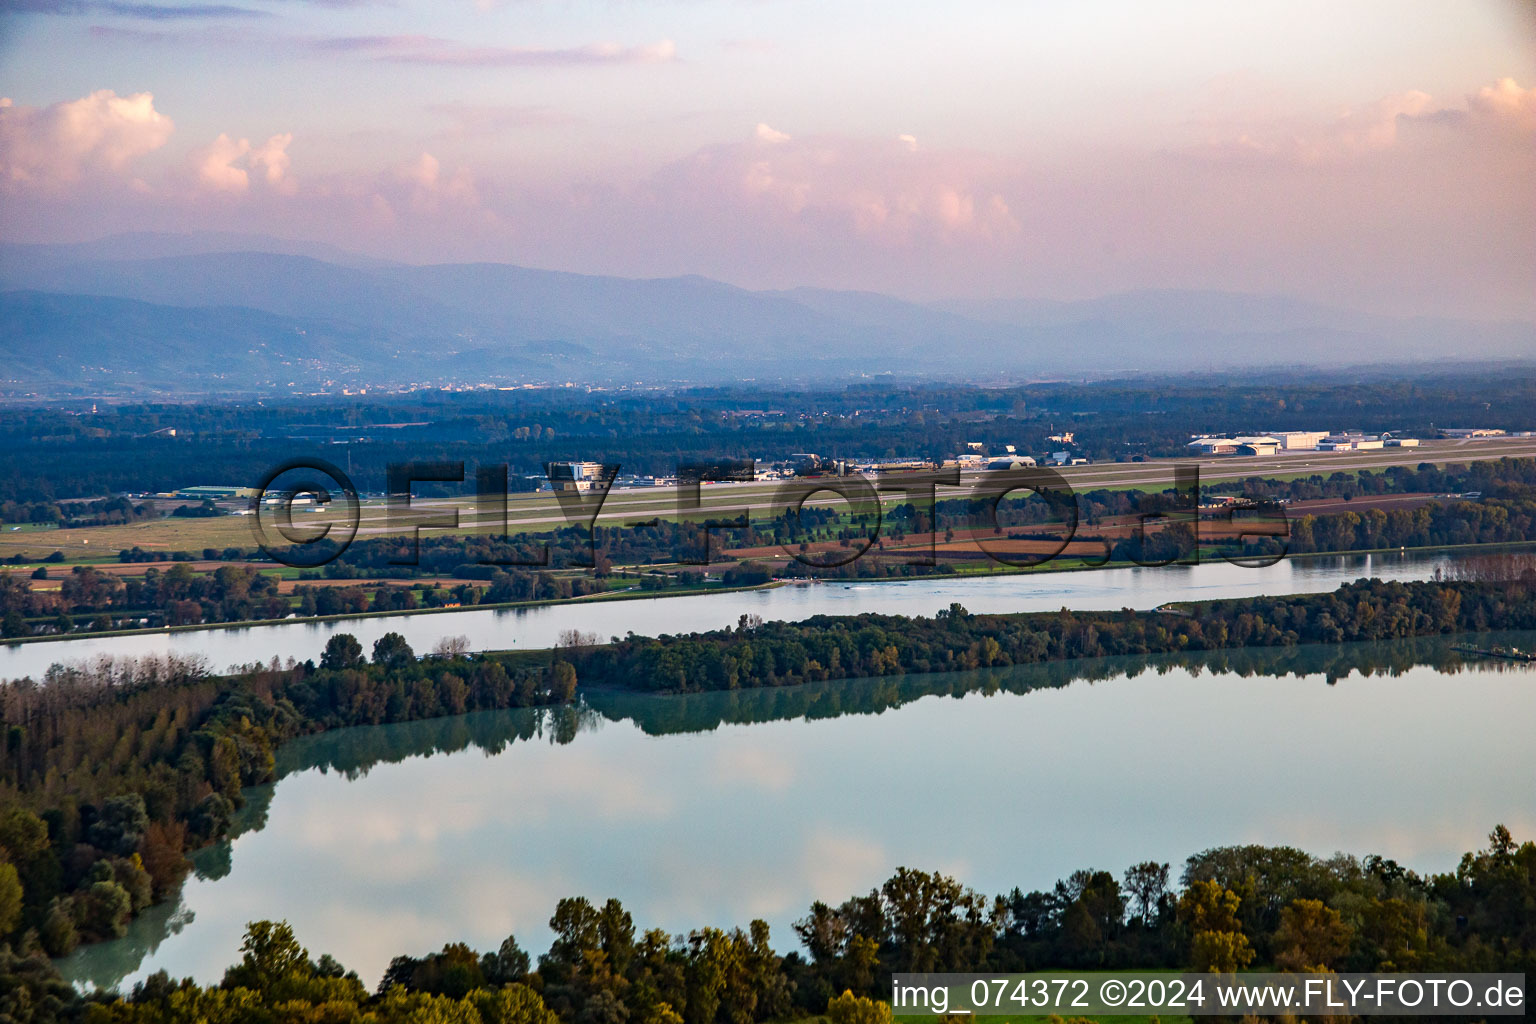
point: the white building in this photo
(1299, 440)
(1258, 445)
(575, 476)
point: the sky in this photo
(1377, 155)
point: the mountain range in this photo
(212, 313)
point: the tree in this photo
(31, 990)
(103, 910)
(1220, 952)
(211, 817)
(1208, 906)
(1311, 936)
(455, 972)
(10, 898)
(851, 1009)
(59, 936)
(391, 651)
(1209, 910)
(576, 927)
(513, 1004)
(120, 824)
(270, 952)
(452, 646)
(508, 965)
(1097, 914)
(562, 682)
(342, 651)
(161, 854)
(1147, 883)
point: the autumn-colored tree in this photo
(851, 1009)
(1311, 936)
(562, 682)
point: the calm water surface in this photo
(505, 629)
(715, 809)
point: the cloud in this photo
(272, 158)
(215, 164)
(751, 45)
(910, 141)
(50, 148)
(1375, 128)
(1408, 203)
(432, 50)
(769, 135)
(149, 12)
(422, 171)
(421, 186)
(472, 119)
(407, 48)
(754, 766)
(1505, 102)
(224, 165)
(877, 189)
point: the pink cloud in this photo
(1406, 202)
(1506, 102)
(421, 49)
(402, 48)
(51, 148)
(1374, 128)
(770, 135)
(224, 165)
(271, 157)
(472, 119)
(881, 189)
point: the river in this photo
(537, 627)
(717, 808)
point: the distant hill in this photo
(222, 312)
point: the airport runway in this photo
(628, 505)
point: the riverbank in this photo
(543, 626)
(631, 594)
(1062, 565)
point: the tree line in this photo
(1232, 908)
(841, 647)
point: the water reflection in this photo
(712, 808)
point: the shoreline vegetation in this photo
(1231, 909)
(113, 771)
(298, 620)
(1059, 565)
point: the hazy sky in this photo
(1376, 154)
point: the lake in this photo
(538, 627)
(717, 808)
